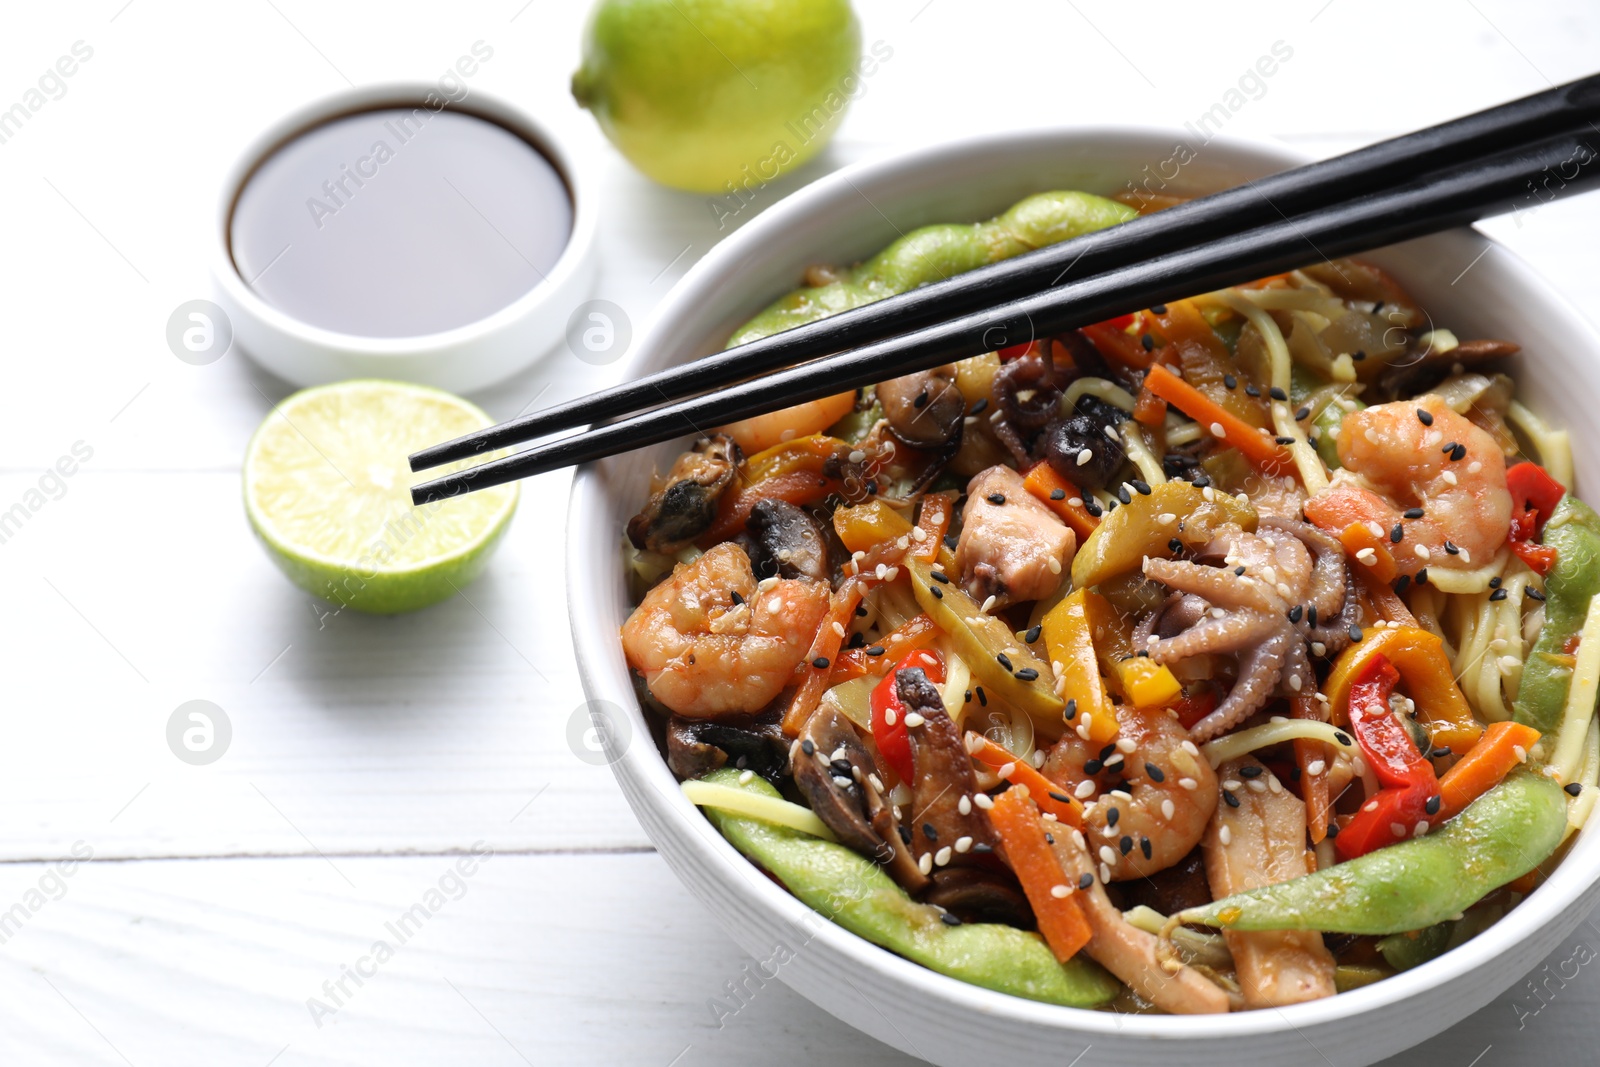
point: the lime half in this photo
(328, 492)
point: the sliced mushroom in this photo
(785, 542)
(683, 504)
(942, 834)
(924, 409)
(1078, 447)
(1420, 371)
(696, 747)
(839, 778)
(976, 895)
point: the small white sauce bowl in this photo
(852, 214)
(463, 359)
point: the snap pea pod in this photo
(934, 252)
(855, 893)
(1417, 883)
(1574, 532)
(1405, 951)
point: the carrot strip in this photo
(1313, 787)
(1044, 483)
(1386, 602)
(1257, 447)
(934, 521)
(1149, 410)
(1061, 922)
(1045, 793)
(1488, 761)
(1357, 538)
(916, 632)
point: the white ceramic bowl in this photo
(462, 359)
(852, 214)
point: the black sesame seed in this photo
(1401, 583)
(1112, 815)
(808, 748)
(1085, 880)
(1092, 506)
(1250, 771)
(1093, 766)
(948, 919)
(1433, 804)
(841, 767)
(968, 698)
(1142, 488)
(1175, 545)
(1573, 788)
(1358, 355)
(982, 847)
(1295, 613)
(1284, 440)
(905, 835)
(1058, 494)
(1071, 711)
(1440, 753)
(1448, 448)
(1033, 634)
(1004, 661)
(940, 576)
(1311, 615)
(820, 663)
(861, 612)
(1533, 594)
(1049, 839)
(1144, 846)
(1278, 394)
(1158, 309)
(1452, 549)
(1062, 797)
(983, 701)
(1342, 737)
(1122, 494)
(1148, 342)
(977, 409)
(1027, 674)
(1155, 773)
(1105, 753)
(938, 594)
(1333, 829)
(875, 650)
(1413, 513)
(1422, 576)
(1125, 845)
(737, 599)
(1425, 416)
(1458, 453)
(930, 831)
(1397, 533)
(1239, 570)
(997, 499)
(1230, 381)
(1200, 482)
(1302, 414)
(1498, 594)
(1233, 801)
(1494, 583)
(1355, 633)
(1251, 390)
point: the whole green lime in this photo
(717, 95)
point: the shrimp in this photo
(1419, 455)
(1159, 792)
(712, 641)
(760, 432)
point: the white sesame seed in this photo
(1367, 556)
(1449, 477)
(1168, 809)
(1318, 648)
(982, 800)
(1076, 501)
(1232, 785)
(775, 605)
(891, 574)
(1421, 827)
(918, 534)
(1105, 873)
(1084, 456)
(1077, 839)
(1189, 747)
(1316, 767)
(1256, 785)
(1521, 753)
(1060, 892)
(745, 776)
(1294, 682)
(890, 716)
(1422, 551)
(857, 456)
(1054, 565)
(1037, 759)
(964, 806)
(963, 844)
(1166, 518)
(914, 719)
(1108, 854)
(1188, 783)
(1126, 744)
(1209, 494)
(942, 857)
(1008, 770)
(1217, 430)
(1474, 467)
(1085, 789)
(987, 604)
(1224, 834)
(1398, 829)
(1111, 433)
(877, 783)
(925, 864)
(838, 628)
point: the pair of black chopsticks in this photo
(1517, 155)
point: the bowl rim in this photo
(478, 103)
(641, 767)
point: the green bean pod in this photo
(1574, 532)
(932, 253)
(1417, 883)
(855, 893)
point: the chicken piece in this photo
(1012, 547)
(1262, 841)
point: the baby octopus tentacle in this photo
(1176, 614)
(1329, 574)
(1259, 670)
(1220, 587)
(1233, 632)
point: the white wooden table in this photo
(370, 757)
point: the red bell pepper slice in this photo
(891, 737)
(1409, 783)
(1534, 495)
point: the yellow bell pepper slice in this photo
(1069, 635)
(1425, 669)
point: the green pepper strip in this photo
(855, 893)
(1414, 884)
(936, 252)
(1573, 530)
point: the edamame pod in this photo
(1417, 883)
(1574, 532)
(936, 252)
(855, 893)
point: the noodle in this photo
(1139, 454)
(771, 809)
(1581, 694)
(1554, 446)
(1241, 742)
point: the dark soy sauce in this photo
(399, 222)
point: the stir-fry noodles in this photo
(1228, 654)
